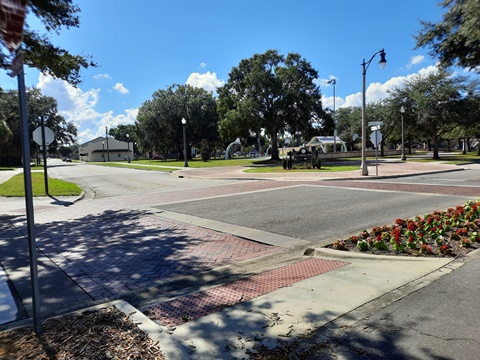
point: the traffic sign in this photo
(49, 136)
(376, 138)
(375, 123)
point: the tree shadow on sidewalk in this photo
(114, 253)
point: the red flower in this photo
(411, 226)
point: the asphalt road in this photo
(312, 211)
(106, 181)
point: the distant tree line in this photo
(267, 98)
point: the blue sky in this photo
(142, 46)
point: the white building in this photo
(102, 149)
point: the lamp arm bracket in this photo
(367, 64)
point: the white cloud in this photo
(203, 65)
(70, 100)
(79, 107)
(120, 88)
(377, 91)
(415, 60)
(207, 81)
(102, 76)
(327, 102)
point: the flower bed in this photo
(453, 232)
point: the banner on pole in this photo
(12, 17)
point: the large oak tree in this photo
(435, 102)
(159, 120)
(270, 92)
(456, 39)
(39, 107)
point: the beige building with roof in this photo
(102, 149)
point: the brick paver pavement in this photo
(117, 252)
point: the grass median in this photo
(15, 186)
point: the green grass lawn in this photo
(15, 186)
(171, 165)
(136, 165)
(455, 158)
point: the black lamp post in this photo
(103, 150)
(184, 122)
(128, 147)
(334, 82)
(365, 66)
(402, 110)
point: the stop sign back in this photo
(49, 136)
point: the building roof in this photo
(325, 140)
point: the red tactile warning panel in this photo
(194, 306)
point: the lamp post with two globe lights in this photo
(365, 66)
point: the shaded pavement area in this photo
(102, 257)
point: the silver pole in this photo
(27, 175)
(364, 131)
(403, 136)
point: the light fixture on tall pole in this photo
(365, 66)
(108, 149)
(402, 110)
(103, 150)
(184, 122)
(128, 147)
(334, 82)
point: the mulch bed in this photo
(103, 334)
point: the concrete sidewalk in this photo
(297, 309)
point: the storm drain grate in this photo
(202, 303)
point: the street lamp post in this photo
(402, 110)
(108, 149)
(103, 150)
(128, 147)
(334, 82)
(184, 122)
(365, 66)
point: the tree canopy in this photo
(456, 39)
(39, 108)
(40, 53)
(435, 102)
(159, 123)
(269, 92)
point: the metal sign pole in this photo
(29, 204)
(45, 175)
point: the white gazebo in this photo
(326, 144)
